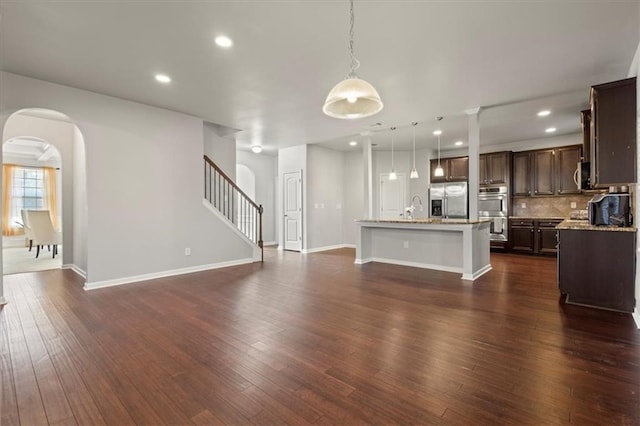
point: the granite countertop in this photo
(537, 217)
(422, 221)
(583, 225)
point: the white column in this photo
(474, 160)
(367, 158)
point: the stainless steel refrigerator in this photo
(449, 200)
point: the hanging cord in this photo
(415, 123)
(355, 63)
(392, 129)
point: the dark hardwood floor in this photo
(315, 339)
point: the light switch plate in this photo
(573, 205)
(523, 205)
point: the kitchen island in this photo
(452, 245)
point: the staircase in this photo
(235, 205)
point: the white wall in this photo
(325, 199)
(80, 214)
(220, 150)
(420, 186)
(61, 135)
(402, 163)
(265, 168)
(353, 195)
(144, 183)
(292, 159)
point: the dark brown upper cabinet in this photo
(585, 121)
(521, 174)
(455, 169)
(567, 160)
(494, 168)
(613, 133)
(543, 172)
(546, 172)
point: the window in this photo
(27, 191)
(27, 188)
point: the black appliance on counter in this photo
(610, 209)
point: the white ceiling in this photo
(31, 150)
(426, 58)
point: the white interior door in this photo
(392, 196)
(292, 223)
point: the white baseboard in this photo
(636, 317)
(75, 269)
(349, 246)
(3, 301)
(162, 274)
(477, 274)
(269, 243)
(412, 264)
(325, 248)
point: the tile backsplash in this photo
(548, 206)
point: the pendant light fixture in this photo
(439, 171)
(352, 97)
(392, 175)
(414, 172)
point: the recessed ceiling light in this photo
(544, 113)
(162, 78)
(550, 130)
(353, 143)
(459, 143)
(437, 132)
(224, 41)
(256, 148)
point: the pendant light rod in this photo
(355, 63)
(414, 172)
(392, 175)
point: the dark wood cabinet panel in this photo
(458, 169)
(521, 236)
(613, 133)
(585, 121)
(482, 170)
(455, 169)
(533, 235)
(567, 162)
(597, 268)
(546, 172)
(543, 172)
(521, 174)
(546, 237)
(497, 166)
(494, 168)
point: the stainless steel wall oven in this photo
(493, 203)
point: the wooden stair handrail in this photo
(231, 182)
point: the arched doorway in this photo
(53, 129)
(32, 183)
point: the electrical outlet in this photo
(406, 244)
(187, 251)
(316, 205)
(573, 205)
(523, 205)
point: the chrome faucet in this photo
(413, 200)
(409, 210)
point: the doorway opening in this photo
(44, 170)
(31, 185)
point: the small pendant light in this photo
(439, 172)
(414, 172)
(392, 175)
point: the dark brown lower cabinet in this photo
(535, 236)
(597, 268)
(521, 235)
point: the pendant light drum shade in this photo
(352, 98)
